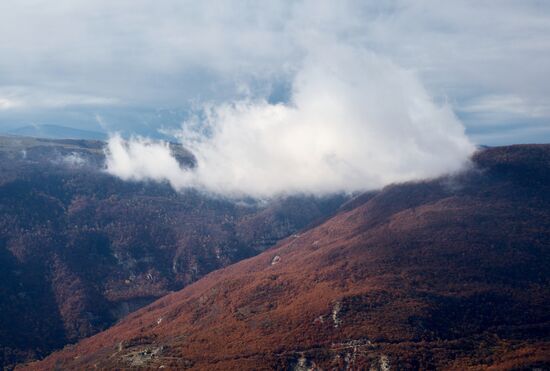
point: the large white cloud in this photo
(355, 121)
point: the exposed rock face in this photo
(444, 274)
(80, 249)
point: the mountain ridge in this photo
(447, 273)
(50, 131)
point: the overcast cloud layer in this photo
(138, 64)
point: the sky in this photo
(141, 65)
(419, 80)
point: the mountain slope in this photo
(80, 249)
(57, 132)
(447, 274)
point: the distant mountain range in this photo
(56, 132)
(451, 274)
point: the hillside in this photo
(57, 132)
(449, 274)
(80, 249)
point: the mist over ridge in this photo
(354, 121)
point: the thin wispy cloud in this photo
(21, 98)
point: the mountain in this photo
(450, 273)
(80, 249)
(57, 132)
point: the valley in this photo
(81, 249)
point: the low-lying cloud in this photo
(143, 159)
(355, 121)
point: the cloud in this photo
(354, 121)
(511, 105)
(8, 103)
(21, 97)
(74, 159)
(144, 159)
